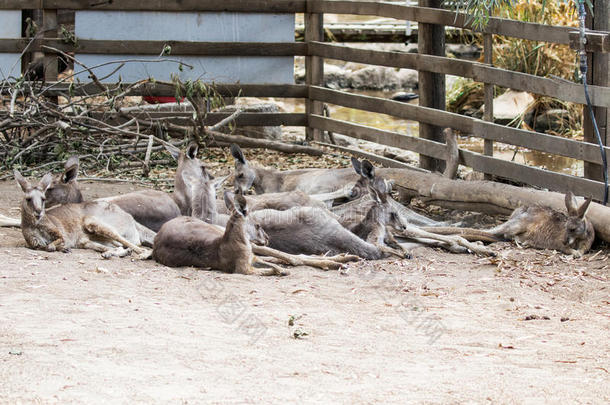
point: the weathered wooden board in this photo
(167, 89)
(600, 96)
(482, 129)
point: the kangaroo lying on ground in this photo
(546, 228)
(97, 225)
(63, 189)
(310, 181)
(187, 241)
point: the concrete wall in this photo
(10, 27)
(209, 27)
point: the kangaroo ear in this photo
(571, 204)
(368, 170)
(229, 198)
(389, 185)
(191, 150)
(582, 210)
(23, 183)
(45, 182)
(70, 170)
(241, 205)
(237, 154)
(220, 181)
(175, 152)
(206, 174)
(357, 166)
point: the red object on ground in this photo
(160, 99)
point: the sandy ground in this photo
(441, 328)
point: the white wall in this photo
(10, 27)
(206, 27)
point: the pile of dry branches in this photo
(41, 124)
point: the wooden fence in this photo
(432, 69)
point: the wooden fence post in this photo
(314, 70)
(598, 75)
(49, 26)
(431, 40)
(488, 145)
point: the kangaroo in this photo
(381, 216)
(63, 189)
(101, 226)
(311, 230)
(353, 211)
(187, 241)
(546, 228)
(310, 181)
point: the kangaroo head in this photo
(385, 212)
(187, 160)
(33, 203)
(244, 175)
(256, 233)
(64, 189)
(578, 227)
(367, 174)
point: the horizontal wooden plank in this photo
(244, 119)
(183, 48)
(500, 26)
(564, 90)
(382, 160)
(532, 140)
(388, 138)
(509, 170)
(276, 6)
(532, 175)
(596, 41)
(167, 89)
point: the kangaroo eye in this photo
(28, 199)
(240, 176)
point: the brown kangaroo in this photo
(63, 189)
(97, 225)
(188, 241)
(545, 228)
(310, 181)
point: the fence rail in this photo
(316, 50)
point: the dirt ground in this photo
(525, 327)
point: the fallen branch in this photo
(246, 142)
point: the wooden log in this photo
(246, 142)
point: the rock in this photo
(383, 78)
(552, 120)
(511, 105)
(335, 77)
(463, 51)
(404, 96)
(268, 132)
